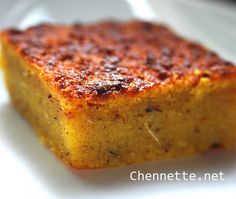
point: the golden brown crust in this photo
(110, 58)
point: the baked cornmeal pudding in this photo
(114, 93)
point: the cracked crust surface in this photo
(112, 58)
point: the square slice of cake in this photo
(114, 93)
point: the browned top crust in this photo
(112, 57)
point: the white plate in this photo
(29, 170)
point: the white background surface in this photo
(29, 170)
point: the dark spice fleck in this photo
(109, 68)
(227, 63)
(147, 26)
(113, 59)
(166, 52)
(153, 108)
(148, 109)
(150, 60)
(113, 153)
(163, 75)
(62, 85)
(167, 147)
(108, 51)
(37, 43)
(196, 130)
(195, 53)
(216, 145)
(186, 63)
(105, 87)
(211, 54)
(205, 75)
(14, 31)
(77, 25)
(66, 57)
(51, 62)
(166, 64)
